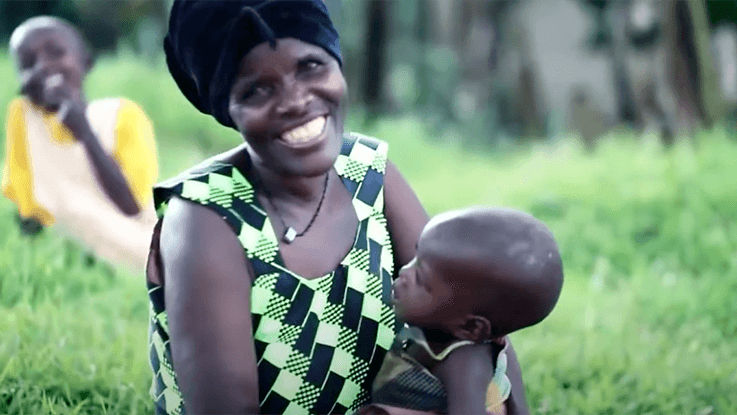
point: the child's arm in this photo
(16, 182)
(107, 171)
(135, 151)
(73, 114)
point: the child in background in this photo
(479, 275)
(86, 168)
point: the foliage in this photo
(645, 324)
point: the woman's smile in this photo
(306, 134)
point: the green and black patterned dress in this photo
(319, 342)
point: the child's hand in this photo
(29, 226)
(55, 91)
(32, 87)
(70, 111)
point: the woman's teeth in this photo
(305, 132)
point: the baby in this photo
(85, 168)
(479, 274)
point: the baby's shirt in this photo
(403, 382)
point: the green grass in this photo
(645, 324)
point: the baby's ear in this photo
(471, 327)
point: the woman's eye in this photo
(309, 65)
(257, 91)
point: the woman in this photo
(301, 322)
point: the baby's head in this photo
(46, 46)
(480, 273)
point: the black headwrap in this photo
(208, 38)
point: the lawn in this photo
(645, 325)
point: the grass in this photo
(645, 324)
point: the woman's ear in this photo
(471, 327)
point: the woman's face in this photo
(289, 103)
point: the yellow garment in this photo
(135, 152)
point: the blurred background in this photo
(611, 121)
(512, 68)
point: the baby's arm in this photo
(466, 374)
(379, 409)
(517, 402)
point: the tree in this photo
(375, 46)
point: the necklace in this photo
(289, 232)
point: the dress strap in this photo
(418, 337)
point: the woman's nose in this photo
(294, 100)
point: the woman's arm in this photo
(405, 216)
(207, 295)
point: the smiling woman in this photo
(271, 266)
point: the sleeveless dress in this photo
(319, 342)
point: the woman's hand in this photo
(207, 293)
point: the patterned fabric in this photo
(405, 383)
(319, 342)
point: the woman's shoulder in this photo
(353, 140)
(362, 157)
(207, 181)
(214, 164)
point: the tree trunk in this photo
(692, 75)
(375, 64)
(620, 42)
(422, 34)
(713, 107)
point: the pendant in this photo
(289, 235)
